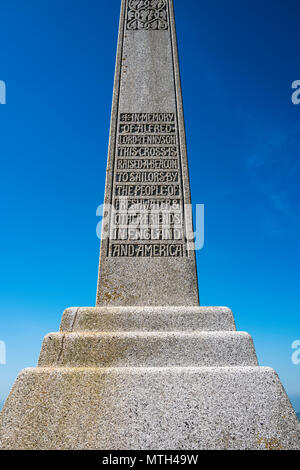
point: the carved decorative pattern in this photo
(147, 14)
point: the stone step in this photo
(140, 349)
(149, 408)
(107, 319)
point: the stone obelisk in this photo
(147, 169)
(148, 368)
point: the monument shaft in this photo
(147, 256)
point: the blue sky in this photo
(238, 61)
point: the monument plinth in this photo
(148, 368)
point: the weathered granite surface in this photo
(147, 319)
(147, 389)
(149, 408)
(148, 349)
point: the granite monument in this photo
(148, 368)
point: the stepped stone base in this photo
(142, 349)
(152, 378)
(149, 408)
(107, 319)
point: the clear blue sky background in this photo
(238, 60)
